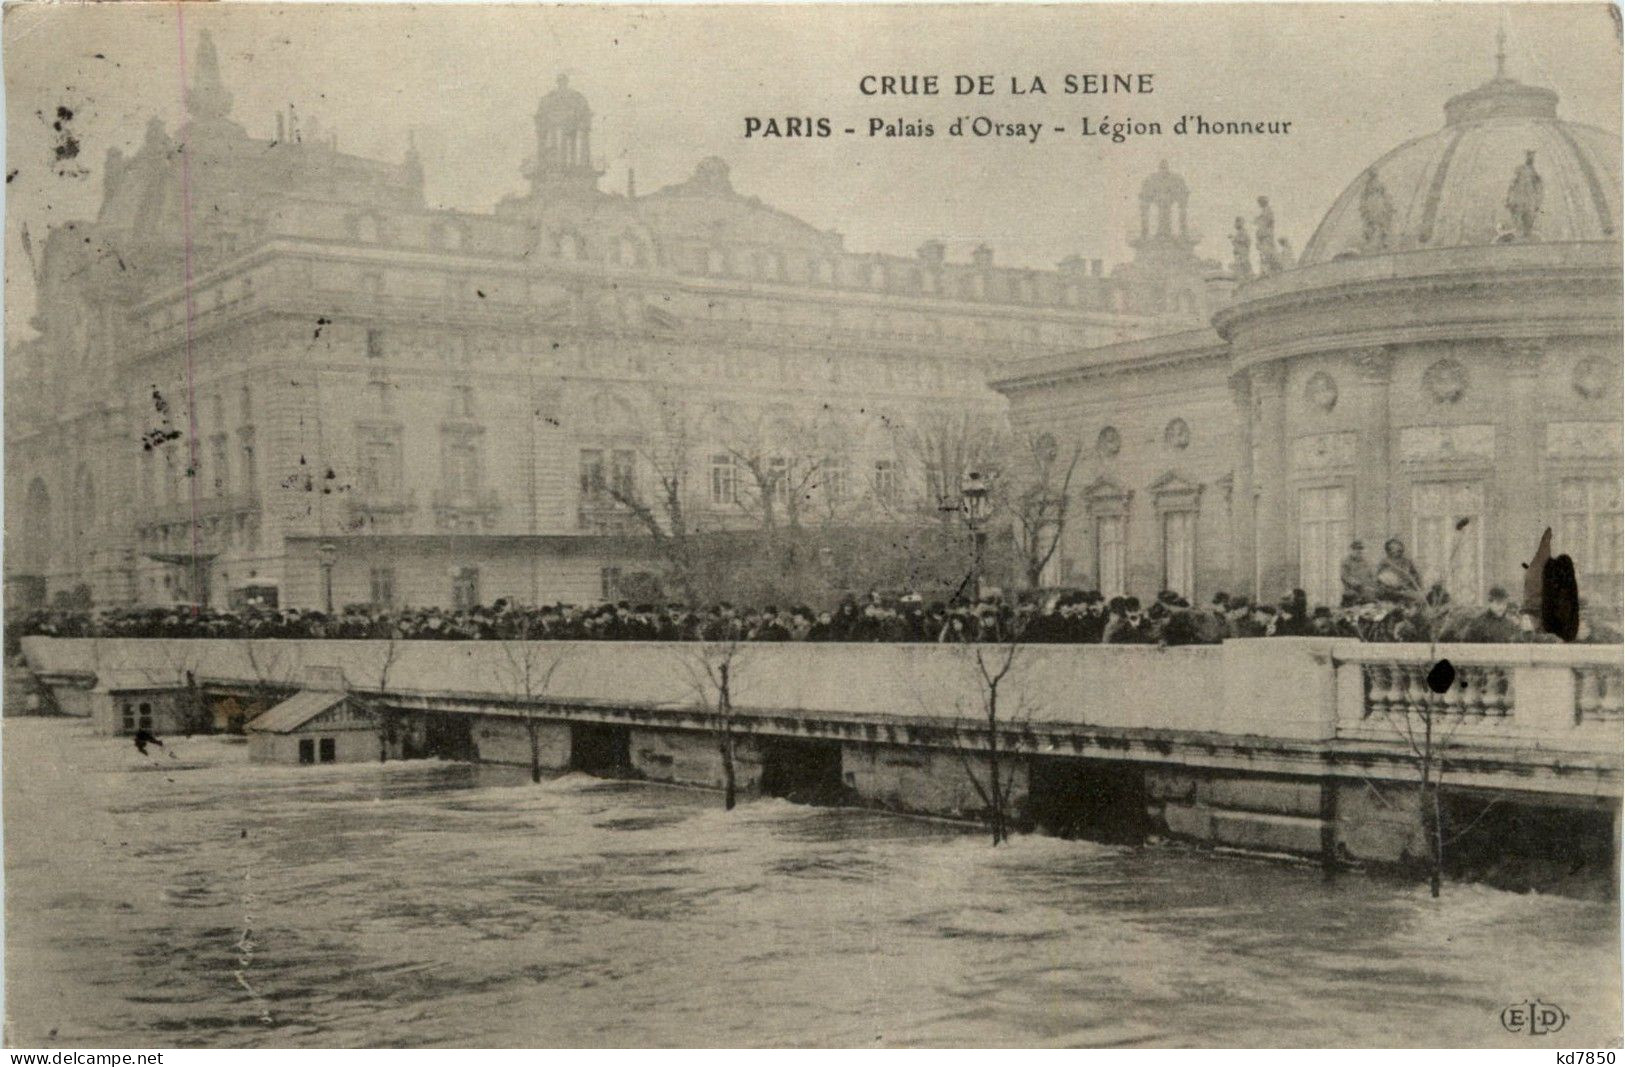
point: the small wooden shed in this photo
(314, 726)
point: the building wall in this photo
(928, 781)
(502, 739)
(350, 746)
(694, 759)
(107, 712)
(1150, 442)
(326, 306)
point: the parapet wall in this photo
(1552, 697)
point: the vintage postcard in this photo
(1086, 525)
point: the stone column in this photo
(1521, 503)
(1241, 489)
(1269, 467)
(1373, 504)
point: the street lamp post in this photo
(327, 555)
(974, 494)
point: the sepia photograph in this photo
(1088, 525)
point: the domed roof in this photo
(1456, 186)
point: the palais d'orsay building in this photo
(266, 365)
(1441, 365)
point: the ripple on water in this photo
(445, 904)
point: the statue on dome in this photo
(1523, 198)
(1376, 213)
(1269, 260)
(1241, 245)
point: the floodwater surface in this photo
(189, 898)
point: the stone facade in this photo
(263, 345)
(1432, 369)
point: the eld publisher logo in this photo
(1534, 1018)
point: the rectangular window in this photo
(378, 472)
(1447, 520)
(465, 588)
(250, 468)
(307, 750)
(129, 718)
(778, 474)
(592, 473)
(144, 717)
(1589, 531)
(834, 479)
(383, 587)
(885, 481)
(722, 480)
(622, 472)
(1109, 555)
(328, 750)
(1323, 537)
(219, 466)
(1179, 552)
(462, 467)
(609, 583)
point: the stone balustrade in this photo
(1547, 697)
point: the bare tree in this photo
(376, 703)
(993, 656)
(661, 510)
(267, 661)
(1429, 726)
(1039, 500)
(531, 665)
(943, 447)
(713, 667)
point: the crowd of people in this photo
(1079, 617)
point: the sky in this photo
(672, 85)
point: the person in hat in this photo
(1496, 623)
(1397, 576)
(1358, 577)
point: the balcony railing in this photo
(459, 507)
(381, 501)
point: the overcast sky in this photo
(672, 85)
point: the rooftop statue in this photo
(1269, 260)
(1523, 198)
(1376, 213)
(1241, 249)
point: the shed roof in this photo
(296, 711)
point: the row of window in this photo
(1447, 540)
(977, 282)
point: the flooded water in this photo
(191, 898)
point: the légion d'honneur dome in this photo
(1504, 169)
